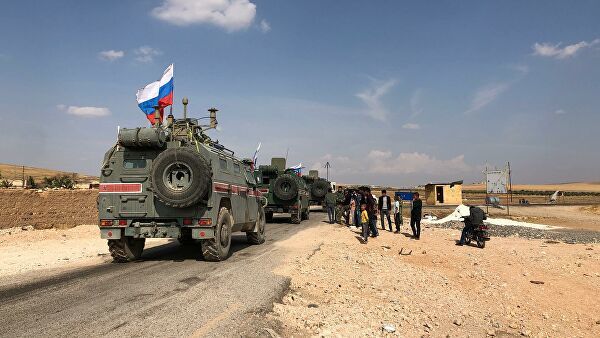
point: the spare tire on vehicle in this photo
(319, 188)
(285, 187)
(267, 169)
(180, 177)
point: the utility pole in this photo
(327, 166)
(23, 178)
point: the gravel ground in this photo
(570, 236)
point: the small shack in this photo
(444, 193)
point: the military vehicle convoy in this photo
(317, 186)
(174, 181)
(284, 190)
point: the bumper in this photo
(270, 208)
(154, 232)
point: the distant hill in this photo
(15, 172)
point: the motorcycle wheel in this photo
(480, 242)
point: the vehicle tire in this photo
(480, 242)
(180, 177)
(285, 187)
(126, 249)
(269, 216)
(468, 238)
(217, 249)
(257, 237)
(296, 216)
(319, 188)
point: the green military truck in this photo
(317, 187)
(285, 191)
(173, 181)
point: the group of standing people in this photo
(360, 208)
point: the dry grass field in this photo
(574, 186)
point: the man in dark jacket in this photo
(415, 216)
(330, 202)
(372, 211)
(385, 206)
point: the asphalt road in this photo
(171, 292)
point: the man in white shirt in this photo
(397, 212)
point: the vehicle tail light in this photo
(106, 222)
(122, 222)
(205, 221)
(187, 221)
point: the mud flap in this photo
(110, 233)
(203, 233)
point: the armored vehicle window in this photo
(236, 168)
(134, 163)
(223, 163)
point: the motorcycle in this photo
(479, 234)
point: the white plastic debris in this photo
(389, 328)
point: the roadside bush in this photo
(64, 182)
(31, 184)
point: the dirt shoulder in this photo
(351, 289)
(52, 249)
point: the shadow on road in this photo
(176, 252)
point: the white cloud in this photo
(556, 51)
(486, 95)
(559, 112)
(146, 54)
(111, 55)
(231, 15)
(264, 26)
(383, 162)
(372, 98)
(413, 126)
(84, 111)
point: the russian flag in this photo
(158, 93)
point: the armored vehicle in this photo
(174, 181)
(317, 186)
(286, 192)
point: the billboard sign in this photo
(405, 195)
(496, 181)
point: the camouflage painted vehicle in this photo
(285, 191)
(316, 186)
(173, 181)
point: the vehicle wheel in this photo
(296, 216)
(285, 187)
(126, 249)
(319, 188)
(258, 237)
(269, 216)
(217, 249)
(468, 239)
(480, 242)
(180, 177)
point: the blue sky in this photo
(389, 92)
